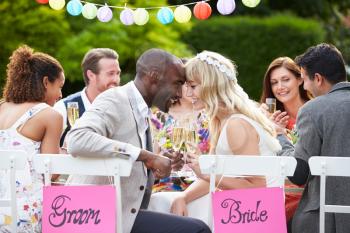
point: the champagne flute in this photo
(178, 137)
(72, 112)
(271, 104)
(191, 138)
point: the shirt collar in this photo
(85, 99)
(141, 104)
(340, 85)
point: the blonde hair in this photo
(217, 76)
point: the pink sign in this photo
(78, 209)
(249, 211)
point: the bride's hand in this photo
(179, 206)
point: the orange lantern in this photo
(42, 1)
(202, 10)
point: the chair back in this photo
(48, 164)
(12, 160)
(243, 165)
(329, 166)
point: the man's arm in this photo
(91, 135)
(308, 144)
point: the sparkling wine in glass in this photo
(191, 139)
(178, 137)
(72, 112)
(271, 104)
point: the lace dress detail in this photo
(28, 183)
(268, 146)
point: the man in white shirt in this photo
(101, 71)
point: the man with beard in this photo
(117, 125)
(101, 71)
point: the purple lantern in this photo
(127, 16)
(104, 14)
(226, 7)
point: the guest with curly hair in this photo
(28, 122)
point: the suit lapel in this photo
(138, 120)
(136, 114)
(149, 142)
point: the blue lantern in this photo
(165, 15)
(74, 7)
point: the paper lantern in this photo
(42, 1)
(202, 10)
(226, 7)
(182, 14)
(250, 3)
(104, 14)
(57, 4)
(165, 15)
(127, 16)
(141, 16)
(89, 11)
(74, 7)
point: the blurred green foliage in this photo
(252, 43)
(68, 37)
(26, 22)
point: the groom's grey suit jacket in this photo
(107, 127)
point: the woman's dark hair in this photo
(292, 67)
(25, 74)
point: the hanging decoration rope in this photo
(140, 16)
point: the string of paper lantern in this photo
(140, 16)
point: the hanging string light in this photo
(251, 3)
(127, 16)
(74, 7)
(182, 14)
(165, 15)
(57, 4)
(202, 10)
(140, 16)
(226, 7)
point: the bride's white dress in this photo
(268, 146)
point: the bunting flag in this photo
(140, 16)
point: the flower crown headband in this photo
(223, 68)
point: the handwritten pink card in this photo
(79, 209)
(249, 211)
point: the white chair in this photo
(12, 160)
(329, 166)
(273, 166)
(66, 164)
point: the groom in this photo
(117, 126)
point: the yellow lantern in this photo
(57, 4)
(141, 16)
(89, 11)
(182, 14)
(250, 3)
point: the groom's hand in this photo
(159, 164)
(177, 161)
